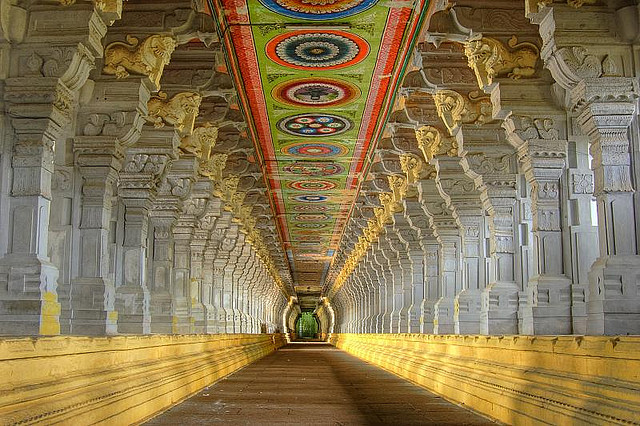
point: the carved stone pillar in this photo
(394, 280)
(492, 169)
(542, 155)
(386, 289)
(196, 307)
(174, 187)
(583, 235)
(231, 245)
(447, 234)
(462, 198)
(40, 94)
(606, 108)
(431, 250)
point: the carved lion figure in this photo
(489, 58)
(180, 111)
(148, 58)
(201, 141)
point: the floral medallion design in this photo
(318, 9)
(312, 185)
(313, 168)
(319, 150)
(309, 50)
(314, 125)
(321, 92)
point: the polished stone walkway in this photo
(315, 383)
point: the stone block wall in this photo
(522, 380)
(115, 380)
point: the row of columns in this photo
(498, 173)
(123, 208)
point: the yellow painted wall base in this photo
(115, 380)
(520, 380)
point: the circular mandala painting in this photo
(313, 168)
(312, 185)
(310, 50)
(321, 92)
(320, 150)
(318, 9)
(314, 125)
(310, 198)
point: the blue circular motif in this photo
(314, 125)
(311, 198)
(318, 10)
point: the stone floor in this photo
(315, 383)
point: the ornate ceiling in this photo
(316, 80)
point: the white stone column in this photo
(606, 109)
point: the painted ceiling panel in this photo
(316, 80)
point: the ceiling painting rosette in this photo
(316, 79)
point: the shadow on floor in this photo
(315, 383)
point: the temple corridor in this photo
(444, 192)
(315, 383)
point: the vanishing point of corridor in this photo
(315, 383)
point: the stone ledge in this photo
(563, 380)
(120, 379)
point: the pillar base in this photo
(499, 310)
(426, 317)
(443, 322)
(88, 316)
(548, 311)
(614, 296)
(466, 315)
(132, 304)
(29, 304)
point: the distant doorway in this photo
(307, 326)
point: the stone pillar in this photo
(431, 250)
(174, 187)
(491, 166)
(606, 108)
(196, 307)
(583, 236)
(93, 290)
(542, 156)
(462, 198)
(231, 245)
(449, 268)
(386, 289)
(28, 281)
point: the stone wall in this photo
(119, 380)
(516, 379)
